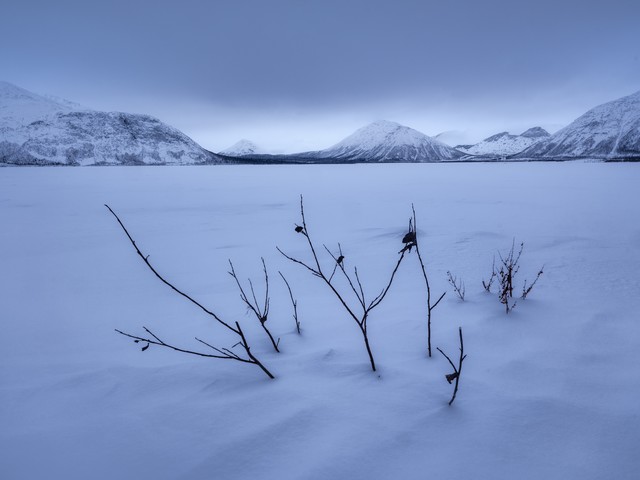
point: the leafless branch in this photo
(487, 284)
(526, 290)
(457, 371)
(222, 353)
(458, 285)
(412, 236)
(294, 302)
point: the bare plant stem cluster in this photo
(509, 267)
(361, 314)
(346, 285)
(261, 313)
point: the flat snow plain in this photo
(549, 391)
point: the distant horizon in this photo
(444, 135)
(296, 76)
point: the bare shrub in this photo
(353, 280)
(506, 274)
(261, 312)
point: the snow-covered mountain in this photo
(385, 141)
(41, 130)
(504, 144)
(606, 132)
(242, 148)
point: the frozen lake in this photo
(549, 391)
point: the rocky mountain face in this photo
(385, 141)
(37, 130)
(504, 144)
(607, 132)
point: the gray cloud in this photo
(306, 73)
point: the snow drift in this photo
(549, 391)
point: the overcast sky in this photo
(293, 75)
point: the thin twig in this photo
(457, 371)
(413, 228)
(294, 302)
(261, 313)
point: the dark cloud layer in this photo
(212, 67)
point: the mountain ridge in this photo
(38, 130)
(386, 141)
(606, 132)
(504, 144)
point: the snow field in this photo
(549, 391)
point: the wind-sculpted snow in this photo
(385, 141)
(36, 130)
(608, 132)
(548, 392)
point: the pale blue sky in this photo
(295, 75)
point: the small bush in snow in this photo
(505, 274)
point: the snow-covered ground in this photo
(549, 391)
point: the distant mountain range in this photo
(504, 144)
(384, 141)
(39, 130)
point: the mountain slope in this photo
(39, 130)
(608, 131)
(503, 144)
(19, 107)
(384, 141)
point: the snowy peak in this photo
(503, 144)
(242, 148)
(380, 133)
(385, 141)
(608, 131)
(535, 132)
(20, 107)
